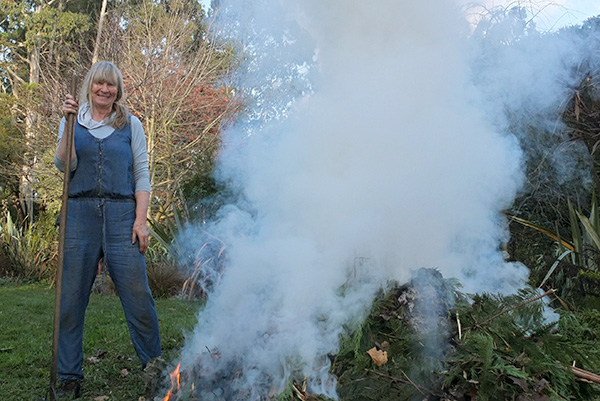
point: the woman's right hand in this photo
(70, 105)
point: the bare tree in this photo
(171, 69)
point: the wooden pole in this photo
(68, 137)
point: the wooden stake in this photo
(68, 136)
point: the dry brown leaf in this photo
(124, 373)
(102, 398)
(379, 357)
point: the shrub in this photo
(165, 278)
(27, 252)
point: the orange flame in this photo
(174, 384)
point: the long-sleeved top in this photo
(102, 130)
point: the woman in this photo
(109, 194)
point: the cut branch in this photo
(584, 374)
(397, 379)
(516, 307)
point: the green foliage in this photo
(201, 193)
(498, 348)
(506, 349)
(166, 233)
(12, 143)
(49, 185)
(586, 236)
(411, 373)
(27, 251)
(42, 42)
(575, 271)
(51, 24)
(44, 27)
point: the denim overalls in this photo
(100, 217)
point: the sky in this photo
(553, 14)
(572, 11)
(581, 9)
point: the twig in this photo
(517, 307)
(397, 379)
(299, 393)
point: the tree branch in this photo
(517, 307)
(14, 75)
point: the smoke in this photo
(376, 142)
(529, 77)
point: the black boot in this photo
(70, 389)
(154, 376)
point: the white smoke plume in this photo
(370, 151)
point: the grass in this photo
(26, 316)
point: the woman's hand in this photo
(70, 105)
(140, 234)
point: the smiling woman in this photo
(103, 90)
(103, 96)
(105, 219)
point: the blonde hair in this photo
(105, 71)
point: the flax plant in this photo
(580, 254)
(29, 251)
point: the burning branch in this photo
(175, 385)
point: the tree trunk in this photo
(99, 33)
(31, 118)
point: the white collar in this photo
(85, 118)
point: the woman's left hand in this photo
(140, 234)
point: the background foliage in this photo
(176, 81)
(175, 77)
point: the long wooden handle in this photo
(68, 135)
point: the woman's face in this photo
(103, 94)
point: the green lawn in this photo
(26, 319)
